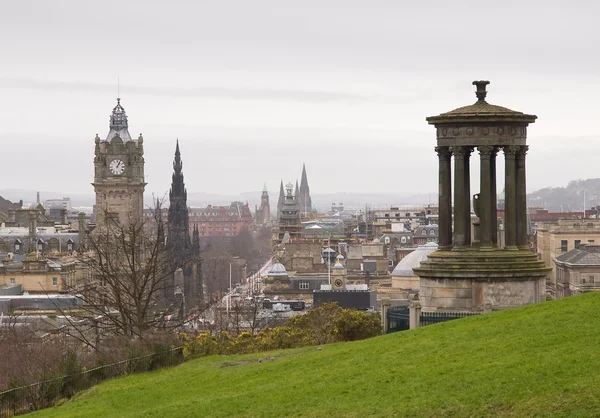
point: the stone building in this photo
(221, 221)
(263, 213)
(279, 284)
(425, 233)
(556, 238)
(184, 252)
(470, 271)
(119, 180)
(578, 270)
(40, 275)
(41, 239)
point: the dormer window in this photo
(18, 246)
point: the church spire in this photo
(177, 163)
(304, 195)
(178, 237)
(280, 200)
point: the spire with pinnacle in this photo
(304, 193)
(281, 199)
(178, 238)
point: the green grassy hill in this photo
(541, 360)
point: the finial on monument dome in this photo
(481, 92)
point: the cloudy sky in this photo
(253, 89)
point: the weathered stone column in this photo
(485, 232)
(459, 237)
(414, 314)
(494, 197)
(385, 306)
(467, 208)
(521, 198)
(510, 204)
(445, 198)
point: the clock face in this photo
(117, 167)
(338, 283)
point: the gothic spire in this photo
(281, 199)
(177, 163)
(304, 195)
(178, 219)
(304, 180)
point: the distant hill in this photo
(538, 360)
(567, 199)
(558, 199)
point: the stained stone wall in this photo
(470, 294)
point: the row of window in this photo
(54, 281)
(564, 244)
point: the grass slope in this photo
(540, 360)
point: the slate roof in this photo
(579, 257)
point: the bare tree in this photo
(131, 292)
(215, 269)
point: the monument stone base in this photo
(481, 281)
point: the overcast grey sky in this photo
(254, 88)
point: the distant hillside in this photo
(322, 201)
(570, 198)
(538, 360)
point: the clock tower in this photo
(119, 172)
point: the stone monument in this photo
(468, 274)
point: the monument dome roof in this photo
(413, 260)
(481, 111)
(277, 269)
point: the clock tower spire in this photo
(119, 172)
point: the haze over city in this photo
(254, 89)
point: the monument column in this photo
(485, 234)
(445, 198)
(459, 238)
(510, 202)
(467, 197)
(521, 198)
(494, 197)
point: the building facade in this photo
(221, 221)
(556, 238)
(578, 271)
